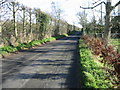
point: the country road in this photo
(53, 65)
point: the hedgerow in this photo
(92, 75)
(8, 49)
(109, 57)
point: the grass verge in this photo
(92, 75)
(9, 49)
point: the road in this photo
(53, 65)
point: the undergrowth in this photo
(92, 74)
(8, 49)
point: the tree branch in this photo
(2, 2)
(116, 5)
(9, 7)
(93, 6)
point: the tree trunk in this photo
(0, 35)
(24, 30)
(107, 23)
(14, 21)
(30, 22)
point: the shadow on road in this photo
(71, 65)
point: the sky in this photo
(70, 8)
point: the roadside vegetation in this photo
(23, 27)
(12, 49)
(100, 63)
(9, 49)
(92, 73)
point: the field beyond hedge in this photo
(116, 43)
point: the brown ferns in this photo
(108, 53)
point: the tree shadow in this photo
(41, 76)
(50, 65)
(72, 79)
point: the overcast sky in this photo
(69, 7)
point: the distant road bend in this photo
(53, 65)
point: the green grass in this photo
(8, 49)
(92, 76)
(116, 44)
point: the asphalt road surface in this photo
(53, 65)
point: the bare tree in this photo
(82, 16)
(24, 21)
(2, 1)
(108, 25)
(30, 19)
(14, 7)
(37, 13)
(57, 14)
(1, 4)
